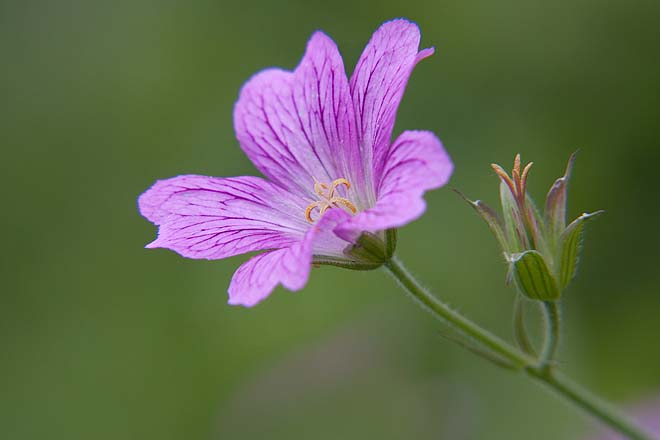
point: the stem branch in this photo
(561, 385)
(552, 333)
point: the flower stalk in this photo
(454, 319)
(552, 314)
(540, 370)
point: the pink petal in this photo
(213, 218)
(257, 278)
(415, 163)
(297, 126)
(378, 83)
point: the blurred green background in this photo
(102, 339)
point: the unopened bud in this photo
(542, 252)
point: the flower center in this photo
(329, 199)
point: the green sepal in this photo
(537, 226)
(514, 225)
(571, 244)
(369, 252)
(390, 242)
(492, 219)
(533, 276)
(323, 260)
(555, 203)
(369, 249)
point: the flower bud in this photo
(541, 251)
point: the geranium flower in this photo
(332, 173)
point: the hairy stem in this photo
(552, 334)
(591, 404)
(562, 386)
(453, 318)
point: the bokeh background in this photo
(102, 339)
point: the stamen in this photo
(336, 183)
(504, 176)
(517, 182)
(515, 176)
(308, 211)
(525, 174)
(328, 198)
(347, 203)
(319, 187)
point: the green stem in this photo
(593, 405)
(519, 328)
(552, 333)
(455, 319)
(557, 383)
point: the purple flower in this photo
(324, 145)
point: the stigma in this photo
(328, 198)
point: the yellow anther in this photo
(346, 203)
(329, 199)
(310, 209)
(319, 188)
(336, 183)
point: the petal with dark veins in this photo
(415, 163)
(213, 218)
(257, 278)
(378, 83)
(297, 126)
